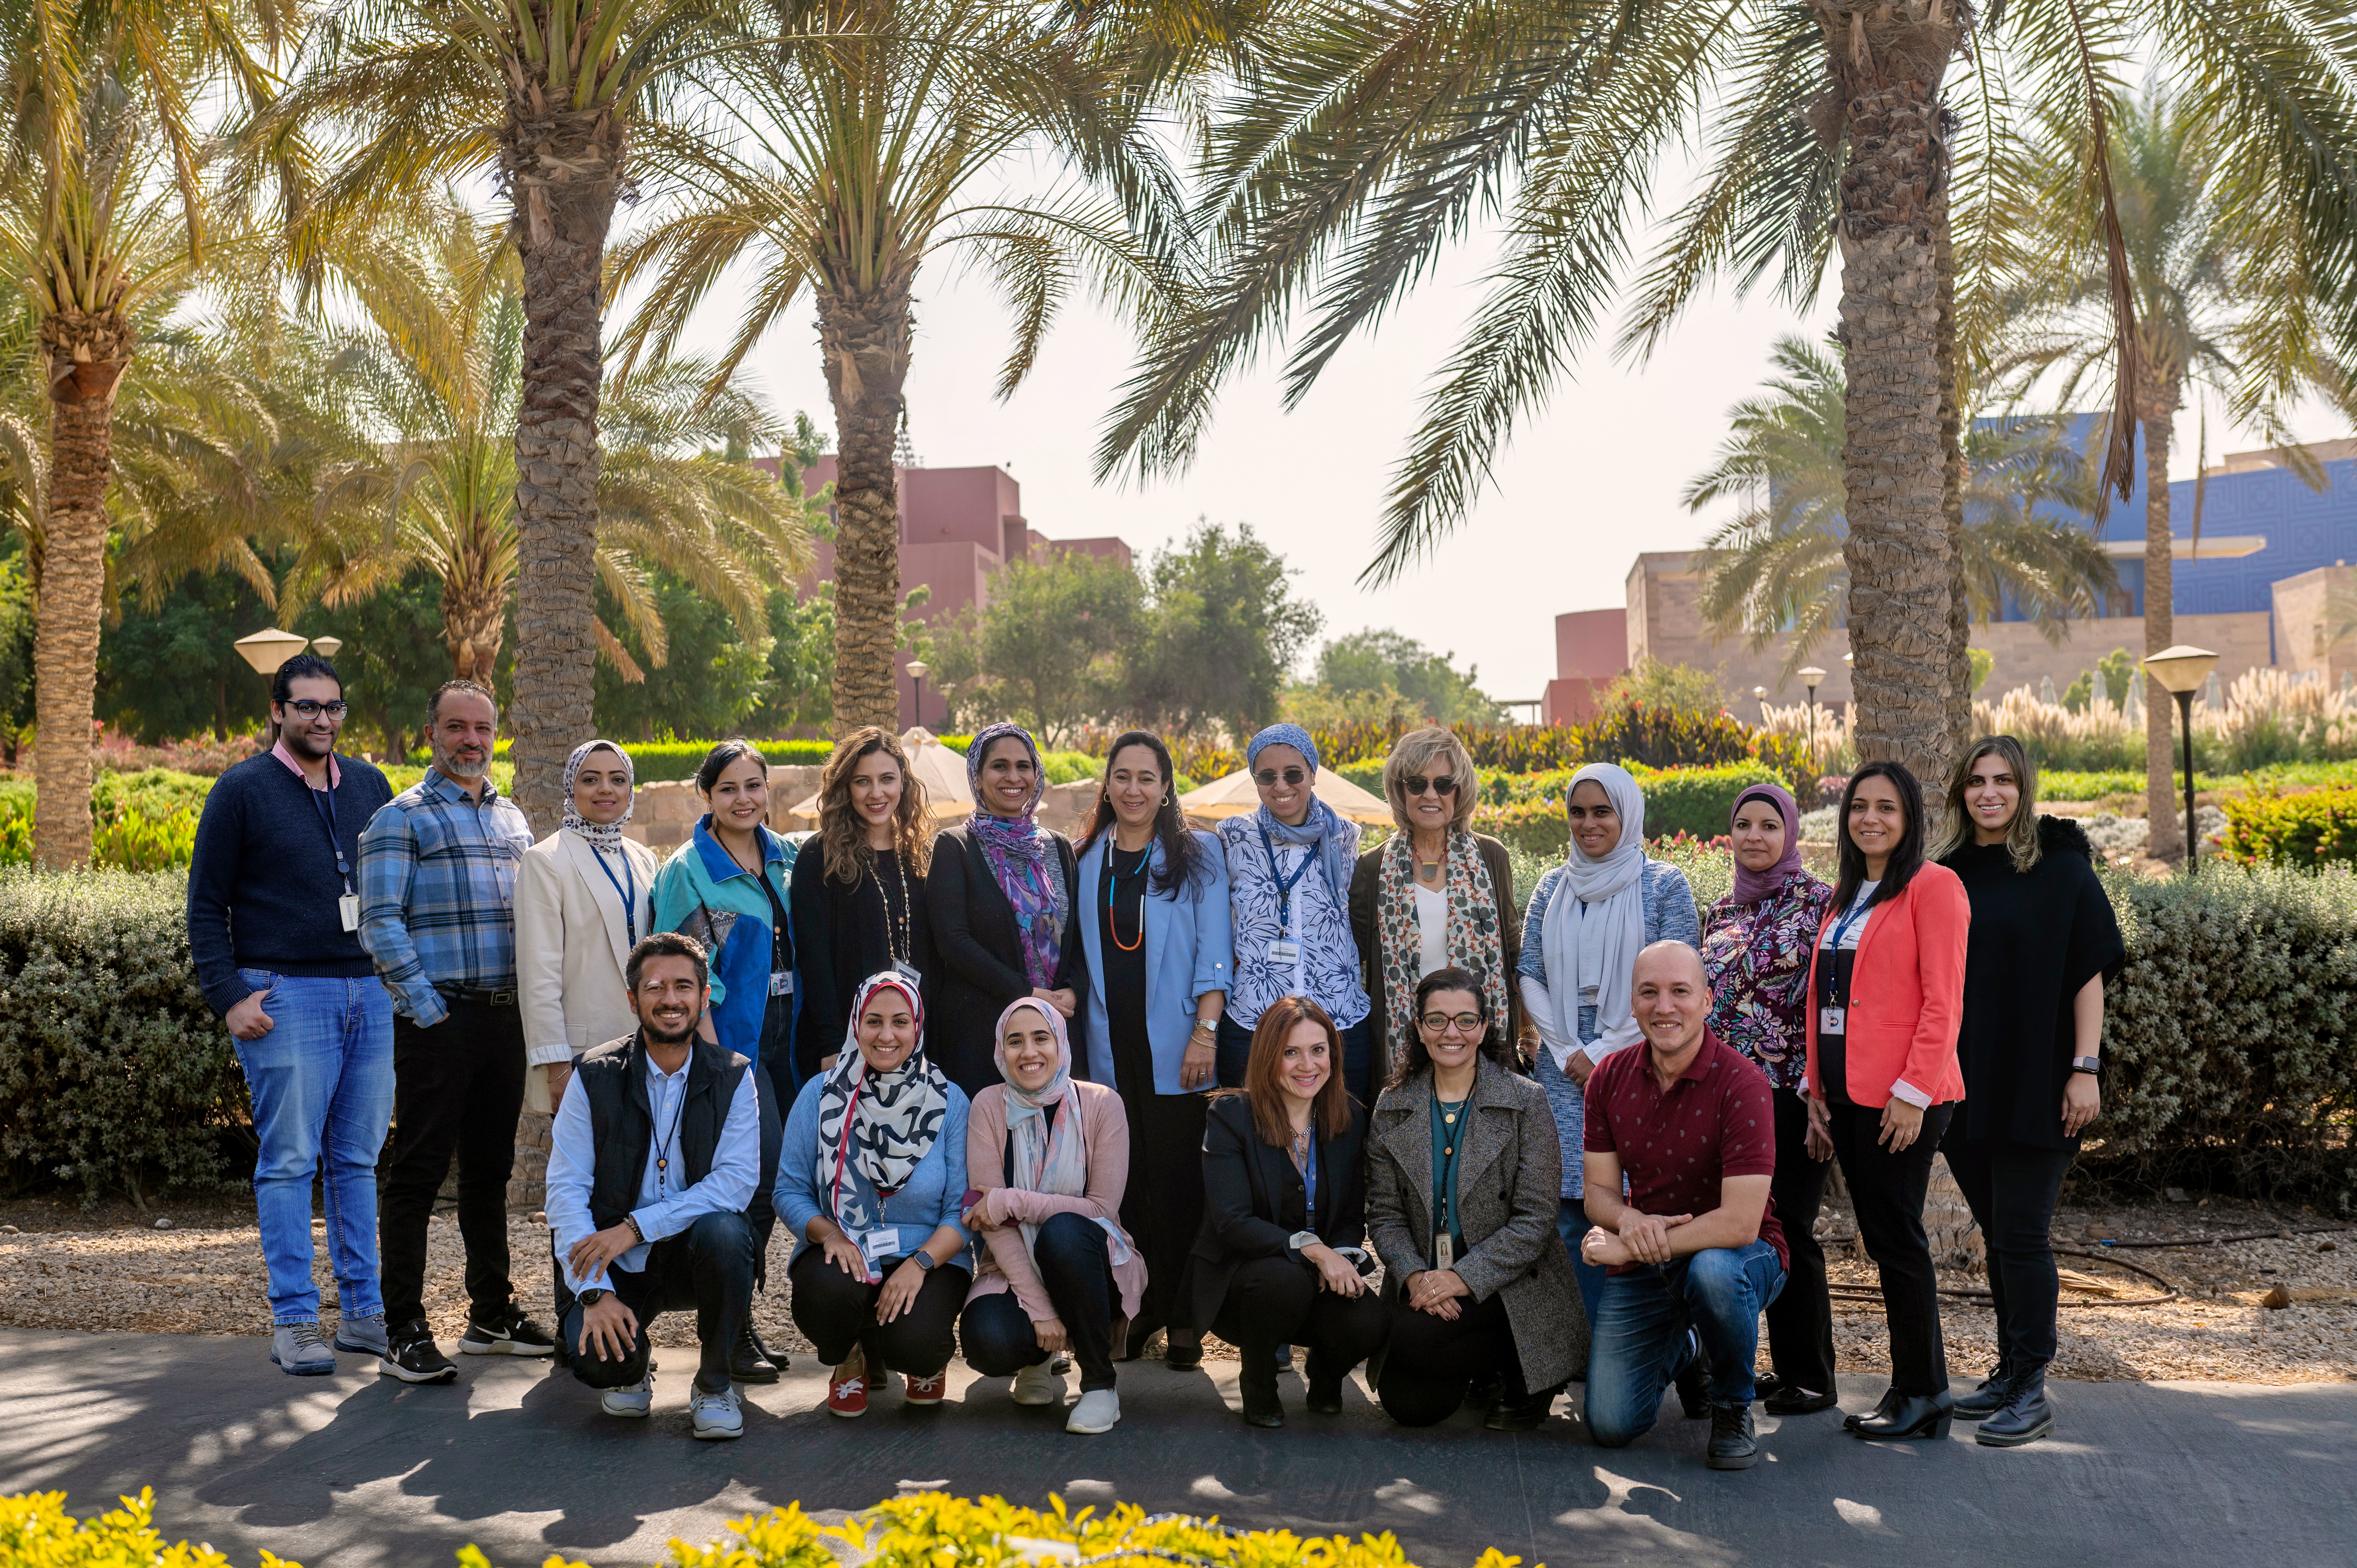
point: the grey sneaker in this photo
(1037, 1385)
(364, 1335)
(635, 1400)
(716, 1415)
(301, 1351)
(1097, 1412)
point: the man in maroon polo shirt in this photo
(1693, 1253)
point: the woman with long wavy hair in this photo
(858, 892)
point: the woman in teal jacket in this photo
(728, 887)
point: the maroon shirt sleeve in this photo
(1746, 1122)
(1598, 1122)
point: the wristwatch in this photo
(924, 1259)
(2087, 1064)
(592, 1297)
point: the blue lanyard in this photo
(1841, 928)
(1285, 884)
(630, 898)
(327, 819)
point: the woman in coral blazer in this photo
(1885, 998)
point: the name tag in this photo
(781, 983)
(878, 1245)
(348, 909)
(1444, 1252)
(1829, 1020)
(907, 971)
(1282, 951)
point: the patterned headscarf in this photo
(606, 836)
(1293, 736)
(894, 1118)
(1046, 1159)
(1750, 886)
(1323, 831)
(1022, 858)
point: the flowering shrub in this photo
(2315, 829)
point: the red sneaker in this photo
(928, 1390)
(847, 1396)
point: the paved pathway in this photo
(361, 1471)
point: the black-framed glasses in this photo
(304, 708)
(1416, 785)
(1269, 776)
(1441, 1022)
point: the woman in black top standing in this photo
(1155, 927)
(2043, 942)
(858, 892)
(1002, 893)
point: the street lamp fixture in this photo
(1812, 677)
(917, 668)
(2181, 671)
(945, 688)
(268, 649)
(327, 647)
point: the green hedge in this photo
(2315, 829)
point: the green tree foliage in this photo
(800, 691)
(1428, 684)
(1047, 648)
(2119, 667)
(170, 672)
(1223, 630)
(1664, 688)
(393, 657)
(711, 681)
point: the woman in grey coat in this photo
(1463, 1172)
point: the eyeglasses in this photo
(1269, 776)
(1444, 788)
(303, 708)
(1442, 1023)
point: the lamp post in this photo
(268, 649)
(2179, 671)
(1759, 696)
(1813, 676)
(327, 647)
(943, 688)
(917, 668)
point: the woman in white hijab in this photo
(1588, 921)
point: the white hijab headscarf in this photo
(1595, 949)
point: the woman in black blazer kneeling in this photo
(1285, 1205)
(1001, 894)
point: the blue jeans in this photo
(321, 1083)
(1640, 1334)
(1571, 1223)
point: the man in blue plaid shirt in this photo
(437, 915)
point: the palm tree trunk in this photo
(2157, 411)
(88, 354)
(1887, 61)
(865, 338)
(1952, 505)
(563, 171)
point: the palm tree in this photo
(1366, 135)
(849, 149)
(438, 373)
(550, 95)
(1779, 567)
(2228, 297)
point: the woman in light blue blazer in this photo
(1154, 925)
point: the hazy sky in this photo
(1581, 490)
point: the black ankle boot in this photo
(1325, 1385)
(2025, 1418)
(752, 1362)
(1694, 1381)
(1994, 1394)
(1732, 1446)
(1907, 1415)
(1256, 1380)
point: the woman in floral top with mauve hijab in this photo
(1755, 947)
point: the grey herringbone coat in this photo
(1508, 1178)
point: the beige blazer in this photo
(571, 944)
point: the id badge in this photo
(1282, 949)
(907, 972)
(1444, 1252)
(781, 983)
(1829, 1020)
(878, 1245)
(348, 909)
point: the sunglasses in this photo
(1444, 788)
(304, 708)
(1441, 1022)
(1269, 776)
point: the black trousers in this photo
(706, 1269)
(1800, 1318)
(1162, 1207)
(1072, 1256)
(837, 1313)
(1431, 1362)
(762, 1214)
(458, 1089)
(1276, 1301)
(1886, 1190)
(2012, 1189)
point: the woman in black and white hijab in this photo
(871, 1175)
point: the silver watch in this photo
(2087, 1064)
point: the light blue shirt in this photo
(664, 1208)
(928, 1200)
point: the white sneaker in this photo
(716, 1415)
(635, 1400)
(1037, 1385)
(1097, 1412)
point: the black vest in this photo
(622, 1123)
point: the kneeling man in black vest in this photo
(654, 1155)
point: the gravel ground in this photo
(112, 1270)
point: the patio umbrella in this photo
(948, 797)
(1234, 795)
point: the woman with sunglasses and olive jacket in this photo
(1435, 895)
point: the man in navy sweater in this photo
(273, 926)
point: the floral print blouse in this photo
(1756, 956)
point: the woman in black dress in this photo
(1002, 893)
(858, 891)
(2043, 942)
(1155, 933)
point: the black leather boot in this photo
(752, 1362)
(1907, 1415)
(1732, 1446)
(1256, 1380)
(1325, 1385)
(2026, 1416)
(1994, 1394)
(1693, 1381)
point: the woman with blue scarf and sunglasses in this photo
(1290, 866)
(1000, 895)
